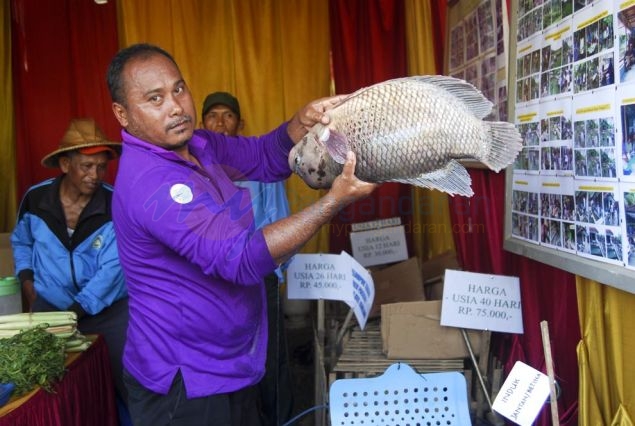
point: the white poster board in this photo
(332, 277)
(481, 302)
(572, 98)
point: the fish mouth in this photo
(293, 161)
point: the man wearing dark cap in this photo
(221, 114)
(64, 244)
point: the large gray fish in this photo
(410, 130)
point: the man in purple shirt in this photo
(193, 258)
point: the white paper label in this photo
(481, 302)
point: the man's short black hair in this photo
(119, 61)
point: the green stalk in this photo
(74, 341)
(30, 324)
(39, 316)
(78, 348)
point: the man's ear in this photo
(64, 163)
(241, 124)
(120, 114)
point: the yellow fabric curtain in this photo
(607, 324)
(272, 54)
(8, 181)
(431, 215)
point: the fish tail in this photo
(505, 145)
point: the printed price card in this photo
(332, 277)
(481, 302)
(380, 246)
(523, 394)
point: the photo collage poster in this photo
(573, 185)
(477, 52)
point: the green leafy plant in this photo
(33, 357)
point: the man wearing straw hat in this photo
(64, 243)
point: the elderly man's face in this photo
(84, 172)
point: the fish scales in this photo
(409, 130)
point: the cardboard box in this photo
(397, 283)
(412, 330)
(6, 256)
(433, 272)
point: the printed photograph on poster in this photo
(529, 19)
(598, 230)
(626, 40)
(528, 70)
(525, 207)
(628, 191)
(556, 59)
(593, 48)
(471, 74)
(501, 103)
(578, 5)
(501, 28)
(456, 48)
(557, 213)
(471, 42)
(556, 138)
(553, 12)
(528, 124)
(486, 30)
(488, 77)
(626, 135)
(594, 135)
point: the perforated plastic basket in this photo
(401, 396)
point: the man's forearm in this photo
(286, 236)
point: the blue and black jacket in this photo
(81, 269)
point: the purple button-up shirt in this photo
(194, 261)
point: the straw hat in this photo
(84, 136)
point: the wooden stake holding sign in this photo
(553, 399)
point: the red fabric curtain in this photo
(60, 52)
(368, 46)
(547, 294)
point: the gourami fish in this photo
(410, 130)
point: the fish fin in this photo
(453, 179)
(473, 98)
(506, 143)
(337, 146)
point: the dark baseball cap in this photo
(221, 98)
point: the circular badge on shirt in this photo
(181, 193)
(97, 242)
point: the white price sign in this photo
(481, 302)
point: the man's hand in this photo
(28, 293)
(311, 114)
(347, 188)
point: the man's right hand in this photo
(28, 293)
(347, 188)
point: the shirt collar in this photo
(194, 145)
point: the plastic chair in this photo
(400, 396)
